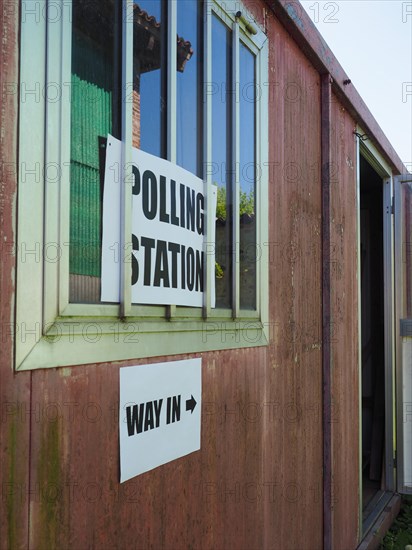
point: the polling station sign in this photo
(159, 414)
(168, 231)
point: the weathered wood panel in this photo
(14, 390)
(212, 498)
(257, 481)
(293, 451)
(345, 369)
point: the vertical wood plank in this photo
(345, 335)
(14, 389)
(326, 157)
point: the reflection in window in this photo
(222, 158)
(94, 111)
(189, 90)
(149, 78)
(247, 211)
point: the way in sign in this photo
(147, 416)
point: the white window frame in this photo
(52, 332)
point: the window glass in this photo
(222, 157)
(92, 118)
(189, 66)
(247, 211)
(95, 108)
(149, 78)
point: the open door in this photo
(376, 336)
(372, 335)
(403, 288)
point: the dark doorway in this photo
(372, 326)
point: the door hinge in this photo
(395, 459)
(390, 208)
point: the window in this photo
(183, 81)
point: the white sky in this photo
(372, 40)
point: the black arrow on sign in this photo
(190, 404)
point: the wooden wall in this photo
(14, 390)
(294, 447)
(257, 481)
(345, 358)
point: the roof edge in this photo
(301, 28)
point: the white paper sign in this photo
(168, 231)
(159, 414)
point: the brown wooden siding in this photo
(345, 366)
(212, 498)
(14, 390)
(257, 481)
(294, 449)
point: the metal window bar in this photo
(236, 172)
(171, 125)
(207, 157)
(126, 161)
(258, 180)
